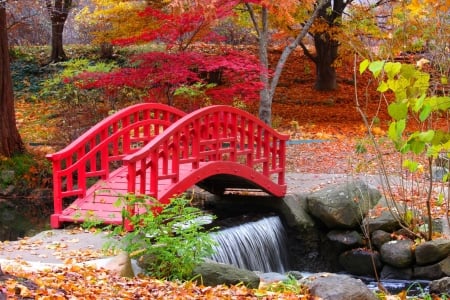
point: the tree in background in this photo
(176, 65)
(10, 140)
(25, 23)
(283, 16)
(326, 43)
(58, 11)
(108, 20)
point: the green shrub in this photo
(29, 171)
(414, 103)
(169, 237)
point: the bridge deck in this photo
(102, 200)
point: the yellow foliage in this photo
(112, 19)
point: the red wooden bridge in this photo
(157, 150)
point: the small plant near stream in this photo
(168, 239)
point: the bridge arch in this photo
(213, 141)
(156, 150)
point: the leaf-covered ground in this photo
(330, 138)
(87, 282)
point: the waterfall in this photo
(256, 246)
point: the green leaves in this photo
(398, 110)
(392, 69)
(410, 86)
(169, 239)
(376, 67)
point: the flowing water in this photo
(256, 246)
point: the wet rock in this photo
(345, 239)
(386, 222)
(398, 253)
(445, 266)
(380, 237)
(389, 272)
(361, 262)
(432, 251)
(440, 286)
(337, 287)
(294, 209)
(343, 205)
(428, 272)
(212, 274)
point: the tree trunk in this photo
(265, 104)
(58, 11)
(10, 140)
(326, 54)
(268, 91)
(330, 15)
(58, 53)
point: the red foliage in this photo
(163, 73)
(183, 28)
(235, 74)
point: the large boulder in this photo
(120, 265)
(211, 274)
(389, 272)
(379, 238)
(433, 251)
(345, 239)
(293, 208)
(337, 287)
(361, 262)
(386, 221)
(343, 205)
(445, 266)
(429, 272)
(398, 253)
(440, 286)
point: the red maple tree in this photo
(227, 75)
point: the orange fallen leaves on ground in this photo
(88, 282)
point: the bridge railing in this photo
(214, 133)
(100, 150)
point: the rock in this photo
(120, 265)
(433, 251)
(361, 262)
(345, 239)
(379, 238)
(337, 287)
(428, 272)
(295, 274)
(440, 286)
(271, 277)
(343, 205)
(445, 266)
(439, 173)
(293, 208)
(212, 274)
(386, 222)
(397, 253)
(389, 272)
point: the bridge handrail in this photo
(95, 152)
(210, 134)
